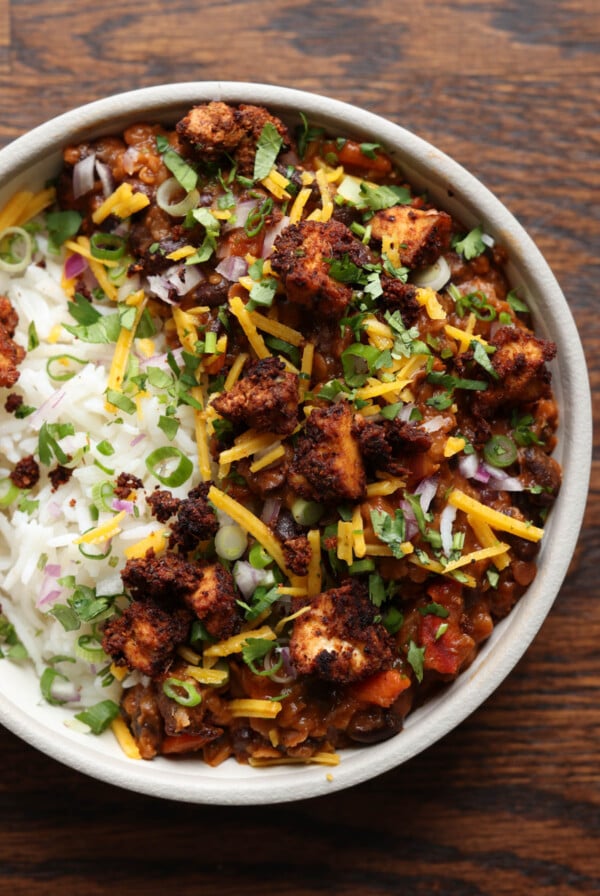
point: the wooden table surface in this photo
(509, 803)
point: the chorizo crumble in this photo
(374, 423)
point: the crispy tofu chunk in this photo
(266, 398)
(146, 636)
(420, 236)
(327, 465)
(11, 353)
(520, 363)
(302, 256)
(217, 128)
(389, 444)
(338, 639)
(213, 601)
(195, 520)
(165, 579)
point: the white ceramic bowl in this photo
(30, 160)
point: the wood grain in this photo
(509, 803)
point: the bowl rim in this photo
(200, 783)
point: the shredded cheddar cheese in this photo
(123, 202)
(252, 335)
(236, 643)
(314, 578)
(156, 541)
(494, 518)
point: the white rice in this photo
(38, 547)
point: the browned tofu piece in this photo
(195, 521)
(165, 579)
(520, 362)
(327, 465)
(145, 637)
(420, 236)
(11, 354)
(213, 601)
(302, 257)
(26, 473)
(217, 128)
(338, 639)
(388, 444)
(266, 398)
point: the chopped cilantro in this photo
(377, 198)
(391, 531)
(471, 245)
(267, 149)
(516, 303)
(416, 657)
(182, 171)
(61, 226)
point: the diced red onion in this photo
(412, 527)
(139, 438)
(162, 288)
(468, 464)
(240, 215)
(271, 510)
(433, 424)
(48, 599)
(501, 481)
(54, 510)
(447, 517)
(247, 578)
(83, 176)
(482, 474)
(272, 234)
(75, 265)
(286, 673)
(232, 268)
(120, 504)
(426, 490)
(53, 570)
(105, 176)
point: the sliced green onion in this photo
(102, 492)
(258, 557)
(62, 361)
(166, 194)
(230, 542)
(500, 451)
(87, 647)
(306, 513)
(16, 250)
(88, 552)
(107, 246)
(47, 680)
(360, 566)
(105, 447)
(99, 716)
(159, 460)
(172, 688)
(8, 492)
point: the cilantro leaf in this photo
(381, 197)
(391, 531)
(61, 226)
(181, 170)
(256, 649)
(482, 358)
(471, 245)
(267, 149)
(415, 657)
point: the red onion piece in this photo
(232, 268)
(162, 288)
(482, 474)
(468, 464)
(272, 234)
(119, 504)
(426, 490)
(412, 527)
(247, 578)
(53, 570)
(83, 176)
(447, 518)
(48, 599)
(139, 438)
(105, 176)
(240, 215)
(75, 265)
(271, 510)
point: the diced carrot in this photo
(183, 743)
(350, 155)
(382, 689)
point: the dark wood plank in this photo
(509, 803)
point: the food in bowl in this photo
(276, 440)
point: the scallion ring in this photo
(172, 688)
(102, 493)
(158, 460)
(63, 361)
(88, 648)
(90, 555)
(500, 451)
(47, 680)
(107, 246)
(9, 492)
(16, 250)
(165, 196)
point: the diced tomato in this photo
(382, 689)
(350, 155)
(183, 743)
(444, 654)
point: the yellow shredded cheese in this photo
(125, 738)
(246, 707)
(482, 554)
(213, 677)
(156, 541)
(487, 539)
(236, 643)
(182, 252)
(123, 202)
(54, 334)
(494, 518)
(104, 532)
(326, 202)
(252, 335)
(314, 577)
(274, 328)
(249, 443)
(283, 622)
(317, 758)
(429, 300)
(277, 184)
(433, 566)
(345, 541)
(453, 445)
(202, 446)
(308, 355)
(358, 533)
(119, 672)
(81, 246)
(235, 371)
(187, 330)
(252, 524)
(382, 550)
(385, 487)
(189, 655)
(464, 337)
(268, 458)
(122, 349)
(298, 206)
(24, 206)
